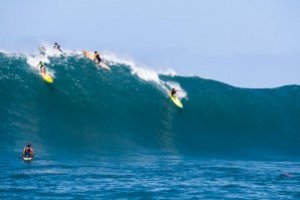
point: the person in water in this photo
(173, 92)
(97, 58)
(42, 67)
(57, 46)
(28, 151)
(42, 50)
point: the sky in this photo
(246, 43)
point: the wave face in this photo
(93, 111)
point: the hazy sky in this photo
(249, 43)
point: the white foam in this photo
(33, 61)
(4, 51)
(147, 74)
(10, 54)
(49, 50)
(168, 72)
(143, 72)
(181, 93)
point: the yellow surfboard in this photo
(47, 77)
(91, 56)
(176, 101)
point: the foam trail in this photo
(148, 75)
(49, 50)
(143, 72)
(33, 61)
(168, 72)
(181, 92)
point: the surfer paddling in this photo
(28, 151)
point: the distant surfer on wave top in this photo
(42, 50)
(42, 67)
(28, 151)
(57, 46)
(97, 58)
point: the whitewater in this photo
(100, 134)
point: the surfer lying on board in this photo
(28, 151)
(97, 58)
(42, 67)
(57, 46)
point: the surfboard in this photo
(47, 77)
(176, 101)
(27, 158)
(104, 65)
(91, 56)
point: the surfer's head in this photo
(28, 145)
(95, 52)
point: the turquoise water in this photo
(116, 134)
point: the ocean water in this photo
(116, 135)
(148, 177)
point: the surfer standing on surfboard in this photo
(57, 46)
(173, 91)
(42, 67)
(97, 58)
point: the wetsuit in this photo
(97, 58)
(173, 92)
(28, 152)
(42, 67)
(57, 46)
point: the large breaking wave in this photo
(127, 110)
